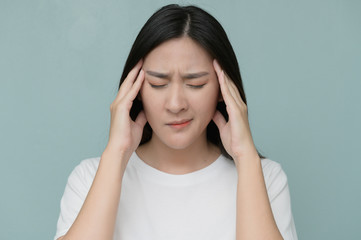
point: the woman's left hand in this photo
(235, 134)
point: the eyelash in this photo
(157, 86)
(196, 86)
(191, 86)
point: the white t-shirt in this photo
(161, 206)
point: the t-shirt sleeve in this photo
(279, 197)
(76, 190)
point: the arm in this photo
(254, 214)
(97, 216)
(96, 219)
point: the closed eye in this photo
(196, 86)
(188, 85)
(157, 85)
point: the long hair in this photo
(174, 21)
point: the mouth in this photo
(179, 124)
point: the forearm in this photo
(96, 219)
(254, 214)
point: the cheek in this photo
(213, 93)
(207, 101)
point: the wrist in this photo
(116, 151)
(116, 158)
(247, 159)
(245, 151)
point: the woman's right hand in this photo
(101, 203)
(125, 134)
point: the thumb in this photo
(219, 120)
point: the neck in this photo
(196, 156)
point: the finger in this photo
(219, 120)
(141, 119)
(133, 92)
(227, 96)
(234, 91)
(229, 83)
(221, 82)
(134, 72)
(217, 67)
(129, 80)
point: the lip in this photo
(179, 123)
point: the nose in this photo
(176, 101)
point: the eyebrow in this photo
(186, 76)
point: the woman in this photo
(180, 162)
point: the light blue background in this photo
(60, 64)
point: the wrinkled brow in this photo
(186, 76)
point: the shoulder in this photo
(85, 170)
(270, 167)
(88, 165)
(274, 176)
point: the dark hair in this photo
(174, 21)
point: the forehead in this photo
(182, 52)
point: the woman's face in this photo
(180, 92)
